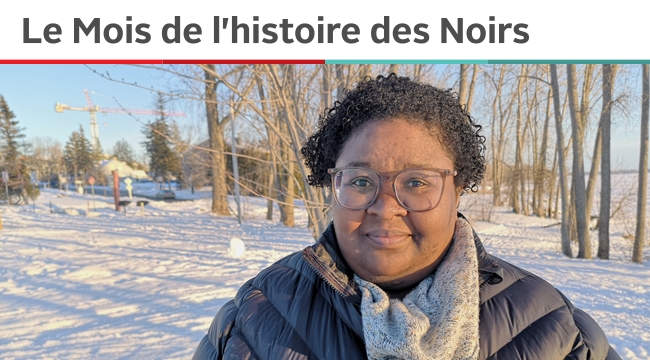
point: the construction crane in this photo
(94, 109)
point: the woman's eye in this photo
(360, 182)
(415, 183)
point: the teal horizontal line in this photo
(546, 61)
(569, 61)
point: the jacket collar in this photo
(489, 270)
(326, 259)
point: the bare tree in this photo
(216, 127)
(564, 227)
(462, 83)
(500, 116)
(540, 174)
(578, 126)
(609, 73)
(217, 144)
(472, 86)
(518, 183)
(639, 234)
(47, 157)
(465, 90)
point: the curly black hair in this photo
(393, 97)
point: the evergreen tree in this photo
(12, 152)
(163, 160)
(96, 153)
(124, 152)
(10, 136)
(78, 153)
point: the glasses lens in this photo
(419, 190)
(355, 188)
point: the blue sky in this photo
(32, 90)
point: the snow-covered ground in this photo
(86, 282)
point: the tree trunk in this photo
(499, 123)
(496, 166)
(566, 242)
(364, 71)
(580, 201)
(518, 168)
(340, 83)
(326, 88)
(287, 213)
(551, 185)
(271, 143)
(462, 86)
(472, 85)
(215, 133)
(418, 74)
(593, 171)
(540, 174)
(269, 200)
(597, 153)
(609, 73)
(639, 234)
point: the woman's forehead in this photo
(394, 143)
(405, 165)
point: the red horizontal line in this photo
(56, 62)
(153, 61)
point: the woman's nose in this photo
(386, 205)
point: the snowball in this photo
(237, 248)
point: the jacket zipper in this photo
(321, 274)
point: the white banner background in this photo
(557, 29)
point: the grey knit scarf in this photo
(436, 320)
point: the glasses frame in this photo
(444, 173)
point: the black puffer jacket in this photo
(305, 307)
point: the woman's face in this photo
(385, 243)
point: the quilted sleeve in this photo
(594, 337)
(213, 345)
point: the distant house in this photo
(140, 175)
(106, 168)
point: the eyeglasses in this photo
(356, 188)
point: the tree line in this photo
(541, 121)
(53, 163)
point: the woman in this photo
(399, 274)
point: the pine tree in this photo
(78, 153)
(164, 162)
(97, 154)
(12, 152)
(10, 135)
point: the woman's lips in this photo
(387, 239)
